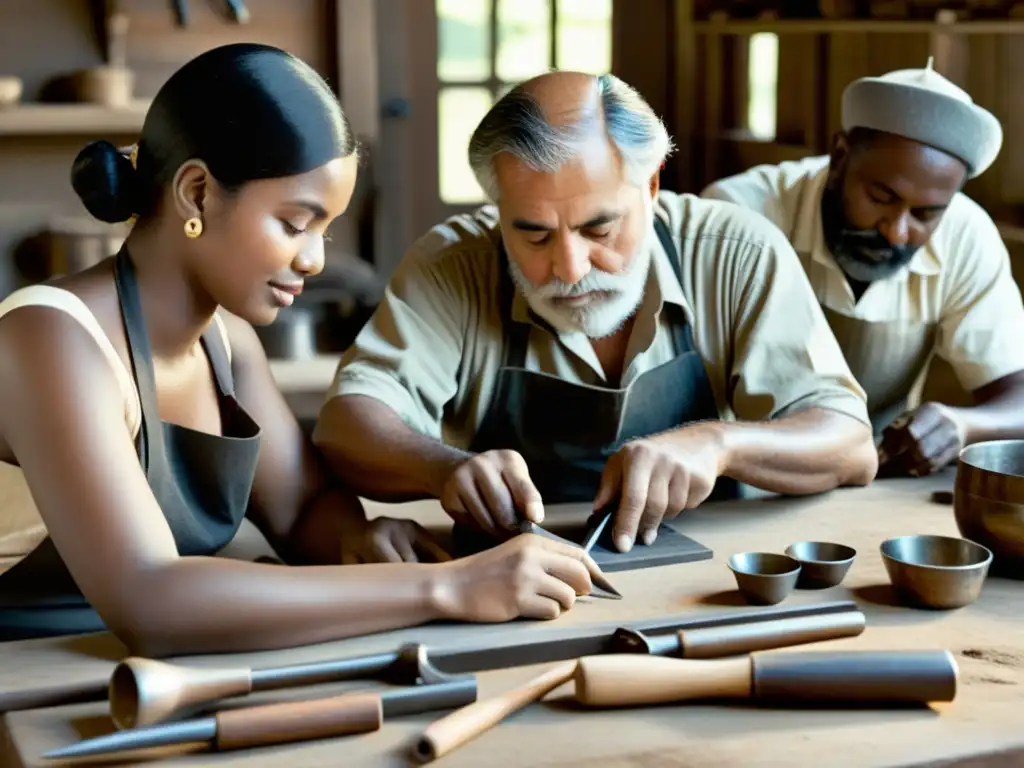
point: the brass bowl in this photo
(936, 571)
(764, 578)
(988, 501)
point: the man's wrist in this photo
(440, 468)
(961, 420)
(722, 435)
(719, 434)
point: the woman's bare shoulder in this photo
(59, 348)
(53, 365)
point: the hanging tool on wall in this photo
(238, 11)
(181, 12)
(236, 8)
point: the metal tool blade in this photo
(185, 732)
(596, 528)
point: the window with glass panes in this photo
(763, 76)
(485, 47)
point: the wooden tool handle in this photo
(454, 730)
(623, 680)
(712, 642)
(918, 677)
(299, 721)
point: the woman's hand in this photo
(389, 540)
(527, 576)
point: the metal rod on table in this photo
(714, 642)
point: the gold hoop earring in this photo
(194, 227)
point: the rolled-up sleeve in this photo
(407, 355)
(979, 331)
(785, 358)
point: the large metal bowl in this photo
(936, 571)
(988, 501)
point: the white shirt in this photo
(960, 281)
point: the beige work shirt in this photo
(433, 348)
(960, 282)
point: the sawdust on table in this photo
(987, 679)
(1004, 657)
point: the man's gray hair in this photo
(516, 124)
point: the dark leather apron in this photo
(202, 483)
(566, 432)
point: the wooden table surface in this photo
(984, 725)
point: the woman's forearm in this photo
(316, 537)
(213, 605)
(809, 452)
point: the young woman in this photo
(139, 422)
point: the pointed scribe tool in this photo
(599, 579)
(285, 722)
(596, 529)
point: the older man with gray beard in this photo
(591, 337)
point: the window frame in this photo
(494, 84)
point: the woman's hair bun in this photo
(104, 179)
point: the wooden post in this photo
(686, 96)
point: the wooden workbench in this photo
(984, 725)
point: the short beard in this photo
(625, 289)
(864, 255)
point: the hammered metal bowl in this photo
(988, 501)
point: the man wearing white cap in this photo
(903, 263)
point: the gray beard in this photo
(626, 291)
(865, 271)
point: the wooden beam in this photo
(685, 96)
(357, 62)
(71, 119)
(826, 26)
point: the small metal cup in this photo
(764, 578)
(941, 572)
(823, 564)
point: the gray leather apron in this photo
(886, 358)
(202, 483)
(566, 432)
